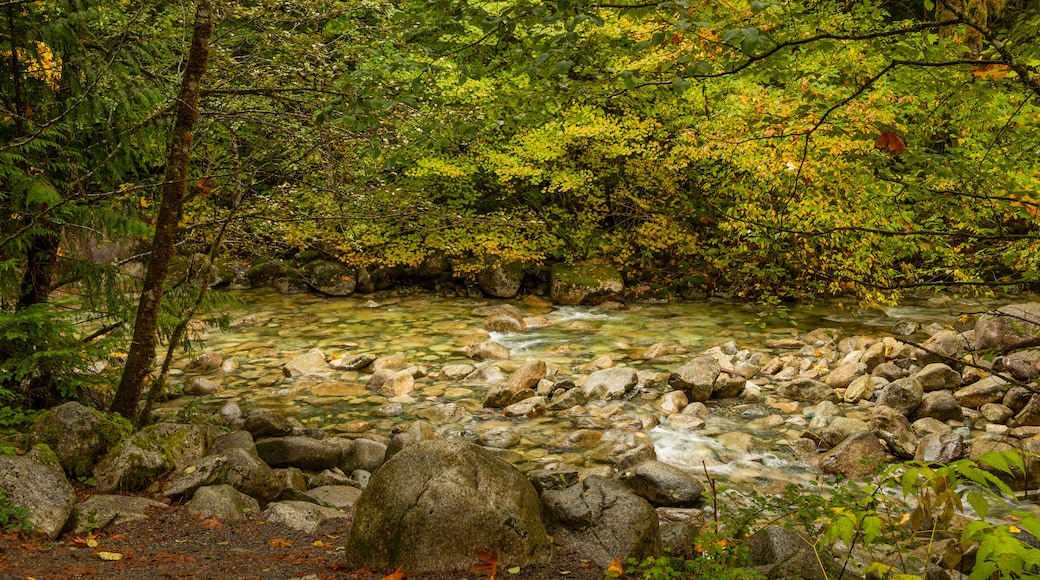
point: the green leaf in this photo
(978, 503)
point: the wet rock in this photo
(417, 432)
(940, 448)
(861, 389)
(903, 395)
(529, 407)
(609, 384)
(77, 435)
(663, 485)
(444, 413)
(630, 457)
(487, 350)
(301, 452)
(527, 376)
(889, 372)
(857, 456)
(435, 503)
(305, 517)
(223, 502)
(873, 356)
(893, 428)
(570, 398)
(685, 422)
(938, 376)
(309, 363)
(37, 482)
(941, 405)
(728, 386)
(205, 363)
(673, 402)
(601, 520)
(455, 372)
(498, 436)
(202, 386)
(808, 390)
(354, 362)
(578, 439)
(499, 278)
(397, 384)
(988, 390)
(1013, 326)
(504, 323)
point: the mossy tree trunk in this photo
(142, 349)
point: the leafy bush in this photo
(13, 517)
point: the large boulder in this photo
(433, 504)
(588, 282)
(779, 552)
(696, 378)
(609, 384)
(332, 278)
(601, 519)
(302, 452)
(235, 467)
(1013, 326)
(37, 482)
(903, 395)
(501, 279)
(858, 455)
(664, 485)
(78, 435)
(807, 390)
(99, 511)
(151, 453)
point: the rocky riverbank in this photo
(843, 402)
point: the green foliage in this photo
(13, 518)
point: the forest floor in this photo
(175, 544)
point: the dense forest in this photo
(771, 150)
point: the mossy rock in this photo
(265, 273)
(590, 282)
(151, 453)
(331, 278)
(78, 435)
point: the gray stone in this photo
(235, 467)
(588, 282)
(903, 395)
(543, 479)
(941, 405)
(266, 423)
(305, 517)
(302, 452)
(893, 428)
(938, 376)
(944, 346)
(341, 497)
(779, 552)
(1000, 413)
(1024, 365)
(840, 428)
(487, 350)
(223, 502)
(888, 371)
(354, 362)
(697, 378)
(609, 384)
(444, 413)
(233, 440)
(988, 390)
(628, 458)
(1013, 326)
(601, 519)
(504, 323)
(310, 363)
(860, 389)
(431, 506)
(331, 278)
(567, 399)
(858, 455)
(1016, 398)
(205, 363)
(149, 454)
(37, 481)
(417, 432)
(1030, 413)
(808, 390)
(728, 386)
(929, 425)
(940, 448)
(201, 386)
(100, 511)
(663, 485)
(78, 435)
(500, 279)
(529, 407)
(842, 376)
(874, 355)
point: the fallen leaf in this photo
(514, 570)
(117, 537)
(111, 556)
(889, 141)
(181, 541)
(615, 568)
(212, 523)
(91, 543)
(321, 544)
(487, 566)
(397, 575)
(279, 543)
(1014, 529)
(78, 541)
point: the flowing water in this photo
(269, 329)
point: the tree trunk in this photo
(142, 349)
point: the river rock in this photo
(808, 390)
(100, 511)
(988, 390)
(943, 346)
(874, 355)
(305, 517)
(840, 428)
(728, 386)
(779, 552)
(590, 282)
(399, 383)
(940, 448)
(938, 376)
(1017, 397)
(663, 485)
(444, 413)
(903, 395)
(354, 362)
(858, 455)
(889, 371)
(860, 389)
(151, 453)
(601, 519)
(234, 467)
(266, 423)
(435, 503)
(205, 363)
(504, 323)
(893, 428)
(487, 350)
(78, 435)
(697, 377)
(500, 279)
(309, 363)
(609, 384)
(37, 481)
(201, 386)
(341, 497)
(497, 436)
(1024, 365)
(301, 452)
(1030, 413)
(941, 405)
(527, 376)
(842, 376)
(331, 278)
(223, 502)
(1010, 327)
(417, 432)
(996, 412)
(673, 402)
(528, 408)
(362, 453)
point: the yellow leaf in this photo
(190, 469)
(1014, 529)
(111, 556)
(615, 568)
(91, 543)
(279, 543)
(397, 575)
(904, 519)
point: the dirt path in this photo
(174, 544)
